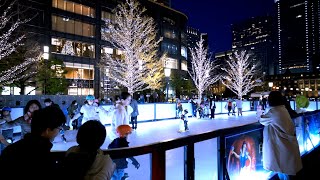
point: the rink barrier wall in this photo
(306, 124)
(152, 111)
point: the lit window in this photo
(107, 50)
(119, 52)
(184, 66)
(171, 63)
(184, 52)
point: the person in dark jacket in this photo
(30, 157)
(48, 102)
(135, 113)
(120, 142)
(292, 112)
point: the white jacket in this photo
(280, 151)
(121, 116)
(92, 112)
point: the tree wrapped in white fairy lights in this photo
(242, 73)
(135, 35)
(21, 65)
(203, 68)
(9, 22)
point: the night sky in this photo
(216, 16)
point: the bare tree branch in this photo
(135, 35)
(203, 68)
(242, 73)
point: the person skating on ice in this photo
(183, 125)
(121, 164)
(91, 111)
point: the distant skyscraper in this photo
(193, 36)
(298, 35)
(256, 36)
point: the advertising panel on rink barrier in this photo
(244, 155)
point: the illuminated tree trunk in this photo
(139, 67)
(202, 69)
(242, 74)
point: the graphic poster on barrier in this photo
(311, 131)
(244, 155)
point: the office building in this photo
(72, 30)
(256, 36)
(298, 35)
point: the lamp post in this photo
(270, 84)
(167, 73)
(46, 58)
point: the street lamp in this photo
(46, 58)
(270, 84)
(167, 73)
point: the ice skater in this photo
(183, 125)
(91, 111)
(123, 132)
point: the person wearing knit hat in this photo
(91, 111)
(121, 164)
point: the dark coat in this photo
(122, 162)
(28, 158)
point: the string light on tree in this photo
(9, 22)
(202, 68)
(14, 73)
(242, 73)
(138, 67)
(68, 48)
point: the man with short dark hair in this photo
(30, 157)
(49, 102)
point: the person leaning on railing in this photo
(280, 146)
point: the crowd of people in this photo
(41, 125)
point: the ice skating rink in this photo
(166, 130)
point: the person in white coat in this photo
(121, 115)
(280, 146)
(91, 111)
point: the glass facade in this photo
(107, 16)
(64, 24)
(81, 77)
(170, 48)
(73, 7)
(79, 73)
(73, 48)
(170, 33)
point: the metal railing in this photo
(158, 150)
